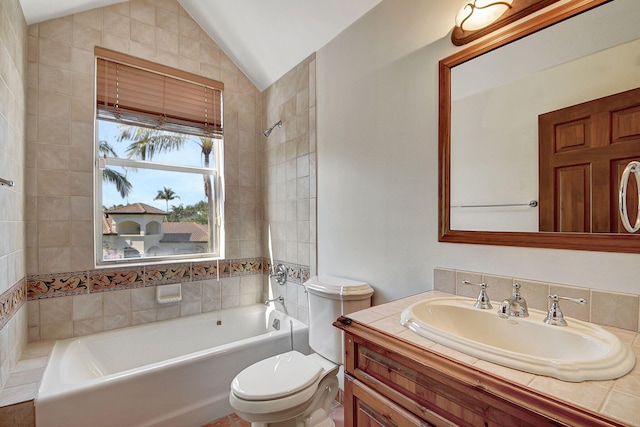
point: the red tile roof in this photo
(136, 208)
(182, 232)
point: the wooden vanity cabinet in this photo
(391, 382)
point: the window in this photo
(159, 168)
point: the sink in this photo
(578, 352)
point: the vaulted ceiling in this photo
(265, 38)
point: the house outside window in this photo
(159, 163)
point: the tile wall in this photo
(60, 124)
(289, 178)
(59, 167)
(13, 76)
(604, 308)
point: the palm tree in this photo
(114, 177)
(148, 142)
(166, 194)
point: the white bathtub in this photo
(175, 373)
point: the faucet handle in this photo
(483, 301)
(555, 316)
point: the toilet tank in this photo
(329, 298)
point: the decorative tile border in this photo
(84, 282)
(11, 301)
(55, 285)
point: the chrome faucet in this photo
(483, 301)
(515, 306)
(280, 299)
(555, 316)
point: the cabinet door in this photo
(364, 407)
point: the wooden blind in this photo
(136, 92)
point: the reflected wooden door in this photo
(583, 150)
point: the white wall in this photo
(377, 164)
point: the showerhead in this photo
(267, 132)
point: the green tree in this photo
(198, 213)
(166, 194)
(114, 177)
(148, 142)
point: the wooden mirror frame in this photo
(629, 243)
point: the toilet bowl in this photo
(292, 389)
(288, 389)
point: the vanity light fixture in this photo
(480, 17)
(480, 13)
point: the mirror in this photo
(491, 95)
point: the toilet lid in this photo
(276, 377)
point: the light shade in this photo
(477, 15)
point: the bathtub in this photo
(175, 373)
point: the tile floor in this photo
(337, 415)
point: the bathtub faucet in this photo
(280, 299)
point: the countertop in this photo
(618, 399)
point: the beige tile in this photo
(18, 394)
(54, 310)
(614, 309)
(623, 407)
(457, 355)
(88, 326)
(54, 183)
(58, 30)
(630, 383)
(143, 33)
(54, 54)
(30, 376)
(54, 105)
(38, 349)
(54, 233)
(519, 377)
(143, 298)
(56, 331)
(52, 156)
(389, 324)
(117, 302)
(54, 259)
(53, 208)
(118, 25)
(117, 321)
(88, 306)
(187, 27)
(144, 316)
(91, 18)
(53, 79)
(86, 36)
(587, 394)
(143, 11)
(27, 364)
(52, 130)
(168, 311)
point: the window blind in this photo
(136, 92)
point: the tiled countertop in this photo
(618, 399)
(25, 377)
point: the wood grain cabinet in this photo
(391, 382)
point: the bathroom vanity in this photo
(396, 378)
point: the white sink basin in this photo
(577, 352)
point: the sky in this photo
(147, 182)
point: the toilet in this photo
(292, 389)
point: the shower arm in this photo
(267, 132)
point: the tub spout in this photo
(280, 299)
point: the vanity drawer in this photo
(432, 395)
(365, 407)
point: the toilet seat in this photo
(276, 377)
